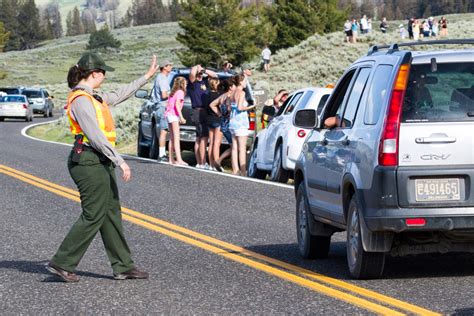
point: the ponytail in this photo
(75, 75)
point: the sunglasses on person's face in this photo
(100, 70)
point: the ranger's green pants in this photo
(100, 203)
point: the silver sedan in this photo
(15, 106)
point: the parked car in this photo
(42, 102)
(277, 147)
(396, 172)
(149, 122)
(11, 90)
(15, 106)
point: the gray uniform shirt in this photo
(83, 112)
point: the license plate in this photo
(430, 190)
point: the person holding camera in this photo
(91, 165)
(197, 89)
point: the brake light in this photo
(252, 121)
(388, 148)
(301, 133)
(25, 106)
(415, 221)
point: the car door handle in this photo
(435, 140)
(324, 142)
(345, 141)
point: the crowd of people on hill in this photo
(416, 29)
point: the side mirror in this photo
(142, 94)
(307, 118)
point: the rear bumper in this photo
(433, 222)
(14, 113)
(390, 202)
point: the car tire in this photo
(252, 170)
(310, 247)
(142, 151)
(2, 119)
(155, 143)
(362, 264)
(279, 174)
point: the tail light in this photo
(25, 106)
(415, 222)
(301, 133)
(252, 120)
(388, 148)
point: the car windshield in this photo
(32, 94)
(12, 98)
(439, 94)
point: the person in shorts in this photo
(160, 93)
(213, 121)
(266, 53)
(197, 89)
(348, 31)
(174, 116)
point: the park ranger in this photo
(92, 165)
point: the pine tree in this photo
(9, 16)
(218, 29)
(294, 20)
(175, 9)
(30, 31)
(55, 18)
(69, 31)
(102, 39)
(4, 34)
(88, 21)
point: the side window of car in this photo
(378, 93)
(354, 97)
(322, 102)
(293, 103)
(335, 105)
(304, 101)
(46, 94)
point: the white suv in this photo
(278, 146)
(397, 171)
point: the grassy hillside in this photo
(317, 61)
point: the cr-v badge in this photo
(435, 157)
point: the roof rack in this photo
(394, 47)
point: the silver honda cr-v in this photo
(391, 160)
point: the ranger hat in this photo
(91, 61)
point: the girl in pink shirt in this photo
(175, 117)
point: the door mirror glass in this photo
(306, 118)
(142, 94)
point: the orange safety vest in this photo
(102, 112)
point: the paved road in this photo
(212, 244)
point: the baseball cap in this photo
(91, 61)
(165, 63)
(246, 66)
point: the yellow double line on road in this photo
(347, 292)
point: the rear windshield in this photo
(32, 94)
(439, 94)
(10, 90)
(12, 98)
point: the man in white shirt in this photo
(364, 25)
(266, 52)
